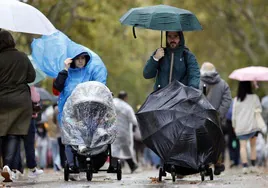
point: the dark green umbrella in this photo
(161, 17)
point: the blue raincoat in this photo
(49, 53)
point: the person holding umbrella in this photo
(175, 62)
(244, 123)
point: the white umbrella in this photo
(21, 17)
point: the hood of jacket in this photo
(75, 50)
(211, 78)
(181, 46)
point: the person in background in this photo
(29, 143)
(42, 144)
(243, 121)
(123, 146)
(16, 72)
(138, 144)
(219, 95)
(233, 142)
(53, 132)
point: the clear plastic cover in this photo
(89, 117)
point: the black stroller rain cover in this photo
(181, 126)
(89, 117)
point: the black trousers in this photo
(28, 141)
(62, 152)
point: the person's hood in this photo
(212, 78)
(75, 50)
(181, 43)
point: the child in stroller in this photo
(88, 127)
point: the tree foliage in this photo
(234, 35)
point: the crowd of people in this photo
(23, 120)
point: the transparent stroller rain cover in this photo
(89, 117)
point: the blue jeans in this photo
(151, 157)
(69, 155)
(55, 154)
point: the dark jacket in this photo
(189, 75)
(16, 71)
(58, 84)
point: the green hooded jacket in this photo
(161, 69)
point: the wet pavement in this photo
(147, 178)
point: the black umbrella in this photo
(181, 126)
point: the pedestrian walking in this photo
(123, 146)
(82, 66)
(16, 72)
(219, 95)
(244, 123)
(29, 143)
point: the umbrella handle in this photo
(161, 39)
(204, 89)
(133, 30)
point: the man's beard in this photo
(172, 45)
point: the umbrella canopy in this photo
(181, 126)
(45, 95)
(252, 73)
(40, 75)
(161, 17)
(21, 17)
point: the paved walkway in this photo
(147, 178)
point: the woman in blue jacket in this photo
(82, 66)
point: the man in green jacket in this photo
(173, 62)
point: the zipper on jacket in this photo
(171, 67)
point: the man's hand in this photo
(67, 63)
(159, 53)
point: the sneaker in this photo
(218, 169)
(33, 173)
(7, 174)
(253, 169)
(245, 170)
(16, 175)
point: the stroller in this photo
(88, 120)
(91, 164)
(182, 128)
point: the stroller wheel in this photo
(89, 173)
(160, 174)
(66, 171)
(210, 174)
(202, 174)
(173, 173)
(119, 170)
